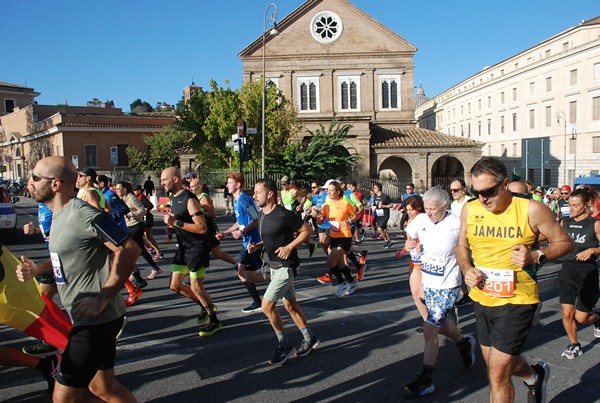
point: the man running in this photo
(497, 232)
(187, 219)
(246, 227)
(277, 227)
(91, 257)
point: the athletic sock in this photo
(306, 333)
(337, 273)
(346, 271)
(251, 287)
(282, 339)
(353, 259)
(531, 381)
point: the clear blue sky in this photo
(122, 50)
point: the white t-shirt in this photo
(438, 261)
(456, 207)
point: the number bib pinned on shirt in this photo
(59, 273)
(433, 266)
(498, 282)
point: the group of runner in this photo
(493, 244)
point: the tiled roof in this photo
(592, 21)
(16, 86)
(412, 137)
(87, 124)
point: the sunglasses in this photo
(564, 193)
(489, 192)
(314, 187)
(456, 190)
(37, 178)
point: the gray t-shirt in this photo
(84, 260)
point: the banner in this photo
(25, 308)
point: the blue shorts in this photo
(252, 261)
(439, 302)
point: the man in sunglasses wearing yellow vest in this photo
(495, 254)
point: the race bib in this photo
(379, 211)
(433, 266)
(59, 273)
(334, 226)
(498, 282)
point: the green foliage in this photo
(139, 106)
(162, 153)
(321, 156)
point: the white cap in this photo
(328, 182)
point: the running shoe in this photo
(389, 245)
(597, 328)
(158, 256)
(41, 349)
(211, 328)
(467, 351)
(363, 235)
(133, 297)
(351, 288)
(360, 272)
(537, 392)
(465, 300)
(363, 256)
(203, 316)
(419, 330)
(307, 346)
(421, 386)
(254, 307)
(153, 274)
(385, 244)
(313, 247)
(141, 283)
(282, 354)
(572, 351)
(325, 280)
(342, 289)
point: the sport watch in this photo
(541, 258)
(179, 223)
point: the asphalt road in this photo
(369, 349)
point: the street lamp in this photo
(574, 138)
(561, 115)
(272, 32)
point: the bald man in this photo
(91, 257)
(187, 218)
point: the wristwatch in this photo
(179, 223)
(541, 258)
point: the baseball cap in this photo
(328, 182)
(566, 188)
(190, 175)
(91, 172)
(285, 179)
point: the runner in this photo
(382, 203)
(192, 256)
(495, 254)
(245, 227)
(340, 215)
(89, 279)
(277, 227)
(438, 232)
(578, 278)
(458, 188)
(414, 206)
(210, 215)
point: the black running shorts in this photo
(578, 285)
(504, 327)
(90, 349)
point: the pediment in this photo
(362, 35)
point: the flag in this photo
(25, 308)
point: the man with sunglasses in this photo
(91, 258)
(410, 191)
(495, 254)
(458, 188)
(563, 202)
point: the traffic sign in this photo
(251, 130)
(8, 159)
(230, 143)
(114, 155)
(242, 127)
(235, 137)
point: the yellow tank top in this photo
(491, 237)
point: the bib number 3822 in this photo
(498, 282)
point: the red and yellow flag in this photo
(24, 307)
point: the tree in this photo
(321, 156)
(139, 106)
(162, 150)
